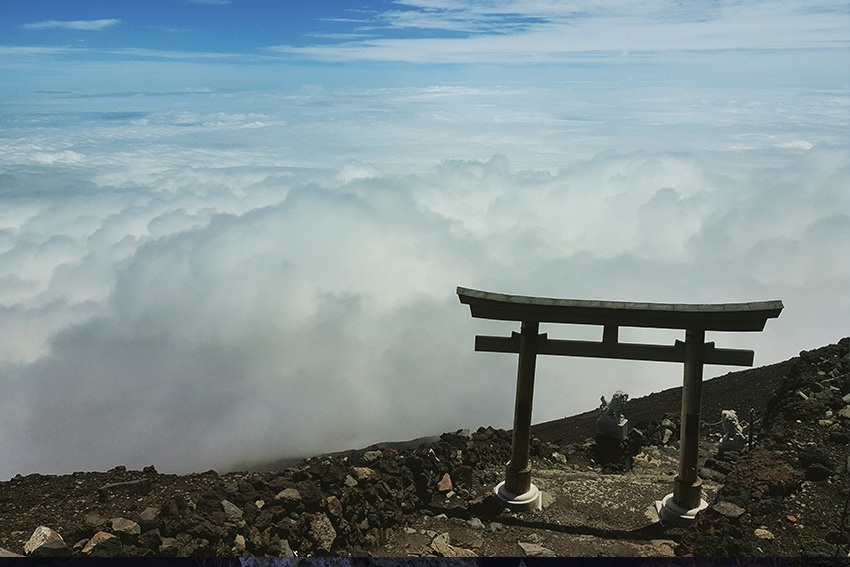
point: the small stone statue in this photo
(611, 421)
(614, 410)
(733, 434)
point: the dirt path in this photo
(585, 513)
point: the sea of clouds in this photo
(190, 284)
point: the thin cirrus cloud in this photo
(459, 32)
(79, 25)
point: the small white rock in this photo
(370, 456)
(475, 523)
(535, 550)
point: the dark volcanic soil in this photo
(788, 496)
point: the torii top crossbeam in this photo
(708, 317)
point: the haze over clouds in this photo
(232, 231)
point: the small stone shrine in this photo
(733, 434)
(611, 421)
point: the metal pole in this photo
(518, 470)
(687, 486)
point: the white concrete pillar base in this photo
(671, 513)
(530, 501)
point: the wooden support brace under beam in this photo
(612, 349)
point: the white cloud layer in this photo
(204, 315)
(79, 25)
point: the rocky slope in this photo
(789, 495)
(786, 496)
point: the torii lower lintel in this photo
(681, 506)
(626, 351)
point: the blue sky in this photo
(234, 229)
(249, 26)
(199, 27)
(422, 31)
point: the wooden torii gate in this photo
(685, 501)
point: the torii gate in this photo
(681, 506)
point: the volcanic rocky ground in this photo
(785, 496)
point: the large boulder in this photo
(321, 533)
(125, 527)
(46, 542)
(103, 544)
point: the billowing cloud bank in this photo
(194, 316)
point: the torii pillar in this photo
(517, 489)
(681, 506)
